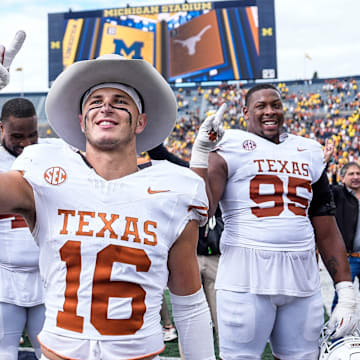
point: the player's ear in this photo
(141, 123)
(82, 122)
(245, 112)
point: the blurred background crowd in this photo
(320, 109)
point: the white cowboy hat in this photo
(64, 98)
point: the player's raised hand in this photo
(328, 150)
(210, 133)
(7, 56)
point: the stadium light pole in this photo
(20, 69)
(309, 58)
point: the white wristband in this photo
(345, 291)
(193, 323)
(343, 285)
(199, 157)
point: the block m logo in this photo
(55, 45)
(127, 51)
(267, 31)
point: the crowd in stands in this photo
(320, 111)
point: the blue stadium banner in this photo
(55, 51)
(267, 40)
(189, 42)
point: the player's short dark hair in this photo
(17, 107)
(257, 88)
(345, 168)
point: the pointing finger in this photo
(219, 116)
(208, 123)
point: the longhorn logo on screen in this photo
(190, 43)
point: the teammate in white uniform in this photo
(275, 201)
(110, 236)
(21, 288)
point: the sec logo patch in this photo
(55, 175)
(249, 145)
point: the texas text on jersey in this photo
(110, 289)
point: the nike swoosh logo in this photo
(156, 191)
(299, 149)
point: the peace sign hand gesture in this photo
(7, 56)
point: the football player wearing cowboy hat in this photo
(111, 237)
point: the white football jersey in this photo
(268, 191)
(267, 246)
(104, 244)
(19, 256)
(18, 249)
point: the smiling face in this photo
(352, 177)
(18, 132)
(264, 114)
(111, 119)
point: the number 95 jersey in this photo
(104, 244)
(268, 191)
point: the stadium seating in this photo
(319, 109)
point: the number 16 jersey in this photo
(104, 244)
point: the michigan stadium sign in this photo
(189, 42)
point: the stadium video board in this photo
(187, 42)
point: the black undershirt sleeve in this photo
(322, 203)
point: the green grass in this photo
(26, 342)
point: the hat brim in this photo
(63, 101)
